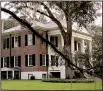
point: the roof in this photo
(46, 26)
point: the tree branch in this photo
(38, 35)
(43, 13)
(51, 16)
(45, 40)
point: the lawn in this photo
(38, 85)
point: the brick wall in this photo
(36, 49)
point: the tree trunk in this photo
(67, 51)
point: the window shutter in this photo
(51, 38)
(7, 61)
(19, 61)
(33, 39)
(26, 60)
(40, 59)
(33, 59)
(12, 61)
(7, 42)
(26, 40)
(47, 60)
(1, 62)
(56, 60)
(56, 40)
(12, 42)
(19, 40)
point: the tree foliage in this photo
(81, 12)
(9, 23)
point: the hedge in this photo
(68, 80)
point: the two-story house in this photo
(24, 54)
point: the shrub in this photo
(68, 80)
(32, 78)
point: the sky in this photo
(98, 20)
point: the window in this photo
(16, 41)
(6, 43)
(54, 40)
(75, 45)
(16, 61)
(5, 61)
(30, 60)
(43, 60)
(43, 75)
(30, 39)
(79, 46)
(54, 60)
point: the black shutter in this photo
(33, 39)
(7, 42)
(12, 42)
(19, 61)
(47, 60)
(26, 60)
(8, 62)
(40, 59)
(33, 59)
(56, 40)
(26, 40)
(19, 40)
(12, 61)
(56, 60)
(51, 38)
(1, 62)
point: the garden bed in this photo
(68, 80)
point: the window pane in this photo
(52, 60)
(30, 39)
(16, 42)
(16, 61)
(43, 60)
(5, 62)
(5, 43)
(30, 60)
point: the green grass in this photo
(38, 85)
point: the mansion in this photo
(24, 55)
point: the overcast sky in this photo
(98, 21)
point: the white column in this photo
(90, 50)
(62, 41)
(90, 46)
(77, 45)
(72, 45)
(82, 46)
(13, 74)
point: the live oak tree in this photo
(81, 12)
